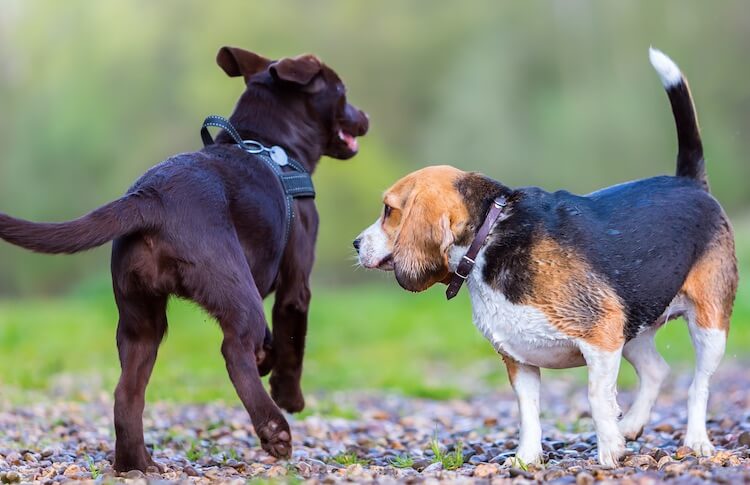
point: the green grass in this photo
(451, 460)
(369, 337)
(349, 458)
(402, 461)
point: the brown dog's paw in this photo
(276, 438)
(287, 394)
(140, 459)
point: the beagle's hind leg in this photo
(710, 288)
(652, 369)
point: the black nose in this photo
(356, 243)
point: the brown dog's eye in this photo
(386, 211)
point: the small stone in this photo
(435, 467)
(420, 465)
(675, 468)
(664, 428)
(580, 447)
(47, 452)
(733, 461)
(517, 472)
(663, 461)
(584, 478)
(744, 438)
(190, 471)
(134, 474)
(554, 475)
(642, 462)
(657, 454)
(477, 459)
(12, 477)
(29, 458)
(13, 459)
(485, 470)
(72, 471)
(276, 471)
(682, 452)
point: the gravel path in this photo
(366, 437)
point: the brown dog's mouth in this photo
(350, 140)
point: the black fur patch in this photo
(642, 237)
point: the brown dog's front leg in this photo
(266, 358)
(289, 332)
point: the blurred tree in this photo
(553, 94)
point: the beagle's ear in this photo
(239, 62)
(300, 70)
(420, 255)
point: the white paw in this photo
(701, 446)
(609, 453)
(528, 455)
(632, 429)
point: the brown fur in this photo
(712, 282)
(512, 366)
(575, 300)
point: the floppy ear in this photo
(239, 62)
(300, 70)
(420, 254)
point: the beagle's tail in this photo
(123, 216)
(690, 162)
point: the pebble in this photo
(435, 467)
(486, 470)
(385, 427)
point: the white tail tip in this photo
(666, 68)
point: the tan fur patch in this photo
(711, 284)
(574, 299)
(512, 367)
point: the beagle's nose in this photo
(356, 243)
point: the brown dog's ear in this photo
(300, 70)
(239, 62)
(420, 253)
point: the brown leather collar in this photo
(496, 214)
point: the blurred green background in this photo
(556, 94)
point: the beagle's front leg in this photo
(525, 380)
(603, 367)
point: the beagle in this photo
(558, 280)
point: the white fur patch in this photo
(521, 332)
(666, 68)
(373, 246)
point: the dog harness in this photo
(296, 182)
(496, 214)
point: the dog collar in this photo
(296, 183)
(496, 214)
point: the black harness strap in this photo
(296, 182)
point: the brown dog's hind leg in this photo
(226, 289)
(142, 325)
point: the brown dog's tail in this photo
(118, 218)
(690, 162)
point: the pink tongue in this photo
(351, 142)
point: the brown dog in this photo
(210, 226)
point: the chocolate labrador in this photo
(212, 226)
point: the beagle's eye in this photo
(386, 211)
